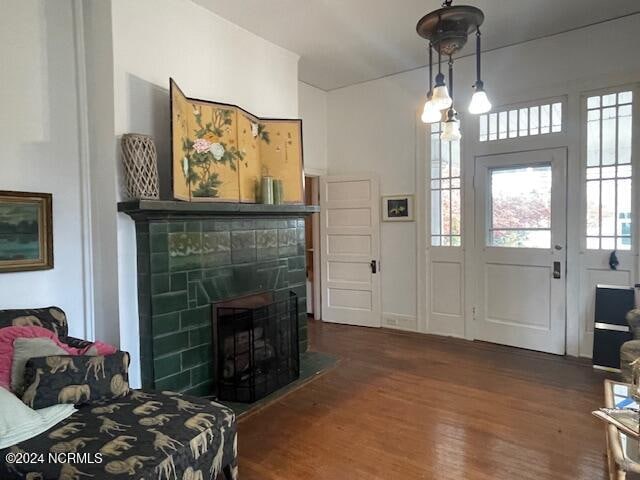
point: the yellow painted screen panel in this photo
(220, 152)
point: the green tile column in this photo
(144, 303)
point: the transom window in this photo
(609, 171)
(521, 122)
(445, 190)
(520, 207)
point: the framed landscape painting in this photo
(26, 238)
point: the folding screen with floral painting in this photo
(220, 152)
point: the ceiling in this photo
(342, 42)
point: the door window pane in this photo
(556, 117)
(520, 207)
(609, 136)
(593, 138)
(502, 125)
(483, 127)
(524, 122)
(493, 126)
(608, 208)
(534, 113)
(624, 134)
(545, 118)
(513, 123)
(521, 238)
(593, 209)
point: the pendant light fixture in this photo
(451, 129)
(431, 113)
(441, 99)
(447, 30)
(479, 101)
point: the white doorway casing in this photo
(350, 242)
(314, 296)
(520, 301)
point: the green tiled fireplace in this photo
(188, 261)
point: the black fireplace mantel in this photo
(144, 209)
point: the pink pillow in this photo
(9, 334)
(98, 348)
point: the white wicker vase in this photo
(140, 161)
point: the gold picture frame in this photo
(26, 231)
(220, 152)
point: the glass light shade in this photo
(451, 131)
(431, 114)
(441, 99)
(479, 103)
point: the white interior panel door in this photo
(350, 250)
(521, 242)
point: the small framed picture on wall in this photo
(26, 233)
(397, 208)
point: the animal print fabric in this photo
(76, 379)
(144, 435)
(51, 318)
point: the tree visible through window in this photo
(521, 207)
(445, 191)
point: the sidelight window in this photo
(445, 191)
(609, 171)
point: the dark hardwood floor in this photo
(409, 406)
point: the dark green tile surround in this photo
(186, 263)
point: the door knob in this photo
(557, 272)
(558, 247)
(374, 266)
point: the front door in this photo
(350, 249)
(521, 246)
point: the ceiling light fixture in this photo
(479, 101)
(451, 130)
(431, 113)
(447, 30)
(441, 99)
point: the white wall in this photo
(372, 128)
(40, 146)
(210, 58)
(313, 112)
